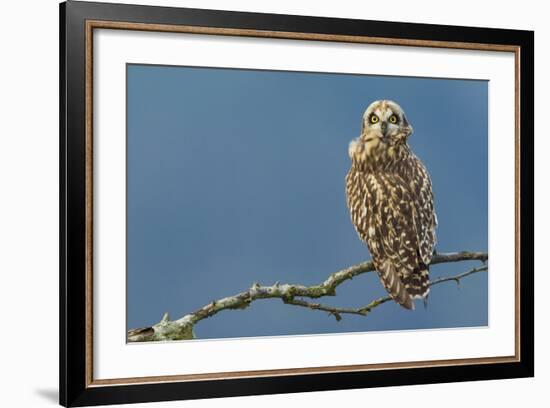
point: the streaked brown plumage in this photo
(389, 195)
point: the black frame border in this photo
(72, 126)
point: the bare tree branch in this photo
(364, 310)
(337, 312)
(182, 329)
(457, 278)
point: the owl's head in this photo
(387, 119)
(383, 138)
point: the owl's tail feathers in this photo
(418, 282)
(394, 286)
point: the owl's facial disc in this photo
(385, 121)
(388, 120)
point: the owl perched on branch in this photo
(389, 195)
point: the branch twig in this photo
(182, 328)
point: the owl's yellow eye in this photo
(393, 119)
(374, 119)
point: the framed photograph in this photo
(256, 203)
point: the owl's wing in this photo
(424, 212)
(392, 232)
(394, 221)
(391, 236)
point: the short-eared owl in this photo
(389, 195)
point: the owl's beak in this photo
(384, 129)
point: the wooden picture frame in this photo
(78, 20)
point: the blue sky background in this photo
(237, 176)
